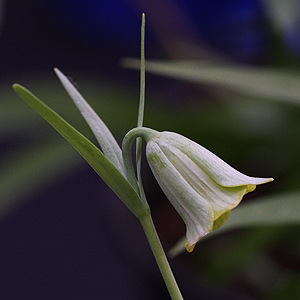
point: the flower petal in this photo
(195, 210)
(220, 198)
(215, 167)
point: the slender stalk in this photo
(133, 134)
(141, 109)
(160, 257)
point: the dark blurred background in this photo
(63, 233)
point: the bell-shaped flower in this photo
(202, 187)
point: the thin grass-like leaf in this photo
(278, 210)
(141, 112)
(106, 140)
(283, 86)
(105, 169)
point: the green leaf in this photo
(278, 210)
(283, 86)
(106, 140)
(141, 112)
(105, 169)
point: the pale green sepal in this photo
(105, 169)
(221, 172)
(217, 224)
(221, 220)
(106, 140)
(188, 247)
(194, 210)
(198, 178)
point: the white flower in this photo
(202, 187)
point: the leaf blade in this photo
(270, 83)
(106, 140)
(105, 169)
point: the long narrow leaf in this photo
(141, 112)
(283, 86)
(105, 169)
(106, 140)
(275, 211)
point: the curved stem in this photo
(143, 132)
(161, 258)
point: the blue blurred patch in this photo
(235, 28)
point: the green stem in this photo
(133, 134)
(141, 111)
(161, 258)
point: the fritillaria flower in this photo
(202, 187)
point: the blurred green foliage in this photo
(256, 135)
(250, 117)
